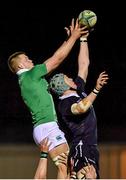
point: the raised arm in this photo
(84, 104)
(62, 52)
(83, 57)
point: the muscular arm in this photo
(83, 60)
(62, 52)
(83, 56)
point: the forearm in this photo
(41, 172)
(64, 49)
(83, 60)
(83, 53)
(84, 104)
(54, 61)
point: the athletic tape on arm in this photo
(81, 107)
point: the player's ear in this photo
(21, 66)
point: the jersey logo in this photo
(58, 138)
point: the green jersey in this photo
(34, 91)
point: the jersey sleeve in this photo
(38, 71)
(80, 86)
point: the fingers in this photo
(84, 31)
(75, 29)
(103, 77)
(63, 158)
(71, 27)
(81, 174)
(103, 73)
(90, 171)
(77, 23)
(45, 141)
(67, 31)
(72, 23)
(66, 28)
(45, 144)
(73, 175)
(85, 34)
(71, 164)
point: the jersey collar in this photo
(68, 95)
(21, 71)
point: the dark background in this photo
(39, 31)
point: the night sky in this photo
(39, 31)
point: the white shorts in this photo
(51, 131)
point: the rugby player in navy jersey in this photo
(77, 112)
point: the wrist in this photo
(96, 91)
(43, 154)
(83, 39)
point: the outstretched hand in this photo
(102, 80)
(76, 30)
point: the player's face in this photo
(25, 61)
(69, 82)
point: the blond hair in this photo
(13, 59)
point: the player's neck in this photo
(69, 92)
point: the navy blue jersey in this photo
(82, 129)
(82, 126)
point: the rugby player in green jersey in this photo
(34, 91)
